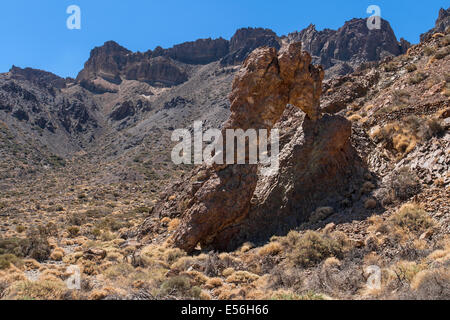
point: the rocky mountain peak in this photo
(351, 44)
(245, 40)
(442, 23)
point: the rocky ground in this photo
(57, 211)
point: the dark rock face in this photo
(177, 102)
(442, 23)
(38, 77)
(352, 44)
(340, 51)
(157, 71)
(112, 63)
(123, 111)
(202, 51)
(21, 115)
(246, 40)
(105, 62)
(74, 116)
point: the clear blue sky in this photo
(34, 33)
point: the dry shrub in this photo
(445, 40)
(390, 67)
(405, 271)
(404, 184)
(312, 248)
(412, 218)
(38, 248)
(429, 51)
(432, 284)
(240, 277)
(367, 187)
(411, 67)
(57, 254)
(180, 287)
(401, 137)
(270, 249)
(441, 54)
(48, 289)
(154, 255)
(173, 224)
(118, 270)
(354, 118)
(6, 260)
(213, 283)
(228, 272)
(417, 78)
(321, 214)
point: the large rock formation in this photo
(339, 51)
(114, 63)
(352, 44)
(442, 23)
(218, 205)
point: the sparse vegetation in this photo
(417, 77)
(311, 248)
(412, 218)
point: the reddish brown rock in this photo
(220, 194)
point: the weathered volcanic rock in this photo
(353, 43)
(246, 40)
(202, 51)
(105, 62)
(318, 167)
(113, 63)
(442, 23)
(222, 205)
(38, 77)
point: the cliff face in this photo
(339, 51)
(351, 44)
(114, 63)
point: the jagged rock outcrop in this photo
(352, 44)
(442, 23)
(37, 77)
(340, 51)
(215, 202)
(105, 62)
(245, 40)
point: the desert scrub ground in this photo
(54, 219)
(326, 263)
